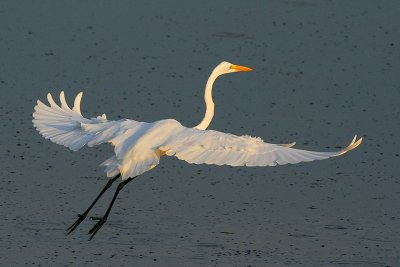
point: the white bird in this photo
(138, 146)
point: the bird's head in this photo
(226, 67)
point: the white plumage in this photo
(139, 145)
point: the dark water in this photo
(324, 70)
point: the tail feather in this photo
(111, 166)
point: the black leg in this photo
(103, 219)
(82, 216)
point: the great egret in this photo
(140, 145)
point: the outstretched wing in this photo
(67, 127)
(212, 147)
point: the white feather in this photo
(139, 145)
(212, 147)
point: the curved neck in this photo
(209, 103)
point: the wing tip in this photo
(77, 103)
(353, 144)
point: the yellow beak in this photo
(241, 68)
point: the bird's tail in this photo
(61, 124)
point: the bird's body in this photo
(138, 146)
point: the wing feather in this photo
(213, 147)
(67, 127)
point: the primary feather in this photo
(213, 147)
(139, 145)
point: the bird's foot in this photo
(80, 219)
(97, 226)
